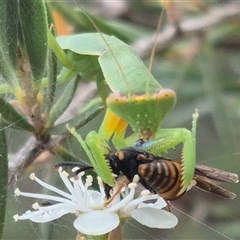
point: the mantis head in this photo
(144, 112)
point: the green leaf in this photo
(52, 81)
(6, 70)
(63, 102)
(5, 88)
(8, 33)
(11, 116)
(8, 39)
(4, 178)
(65, 75)
(33, 22)
(76, 122)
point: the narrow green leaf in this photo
(8, 39)
(10, 115)
(6, 70)
(64, 76)
(63, 102)
(51, 68)
(5, 88)
(4, 177)
(52, 80)
(8, 33)
(33, 20)
(76, 122)
(50, 17)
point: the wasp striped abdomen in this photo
(164, 176)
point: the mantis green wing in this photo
(136, 95)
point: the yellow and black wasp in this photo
(164, 176)
(161, 175)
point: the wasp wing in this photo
(207, 185)
(216, 174)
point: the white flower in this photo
(94, 216)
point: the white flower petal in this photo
(95, 200)
(159, 204)
(136, 202)
(41, 216)
(96, 222)
(154, 218)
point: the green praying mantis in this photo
(132, 97)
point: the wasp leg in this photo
(124, 182)
(107, 190)
(168, 206)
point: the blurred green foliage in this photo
(204, 70)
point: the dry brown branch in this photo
(193, 26)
